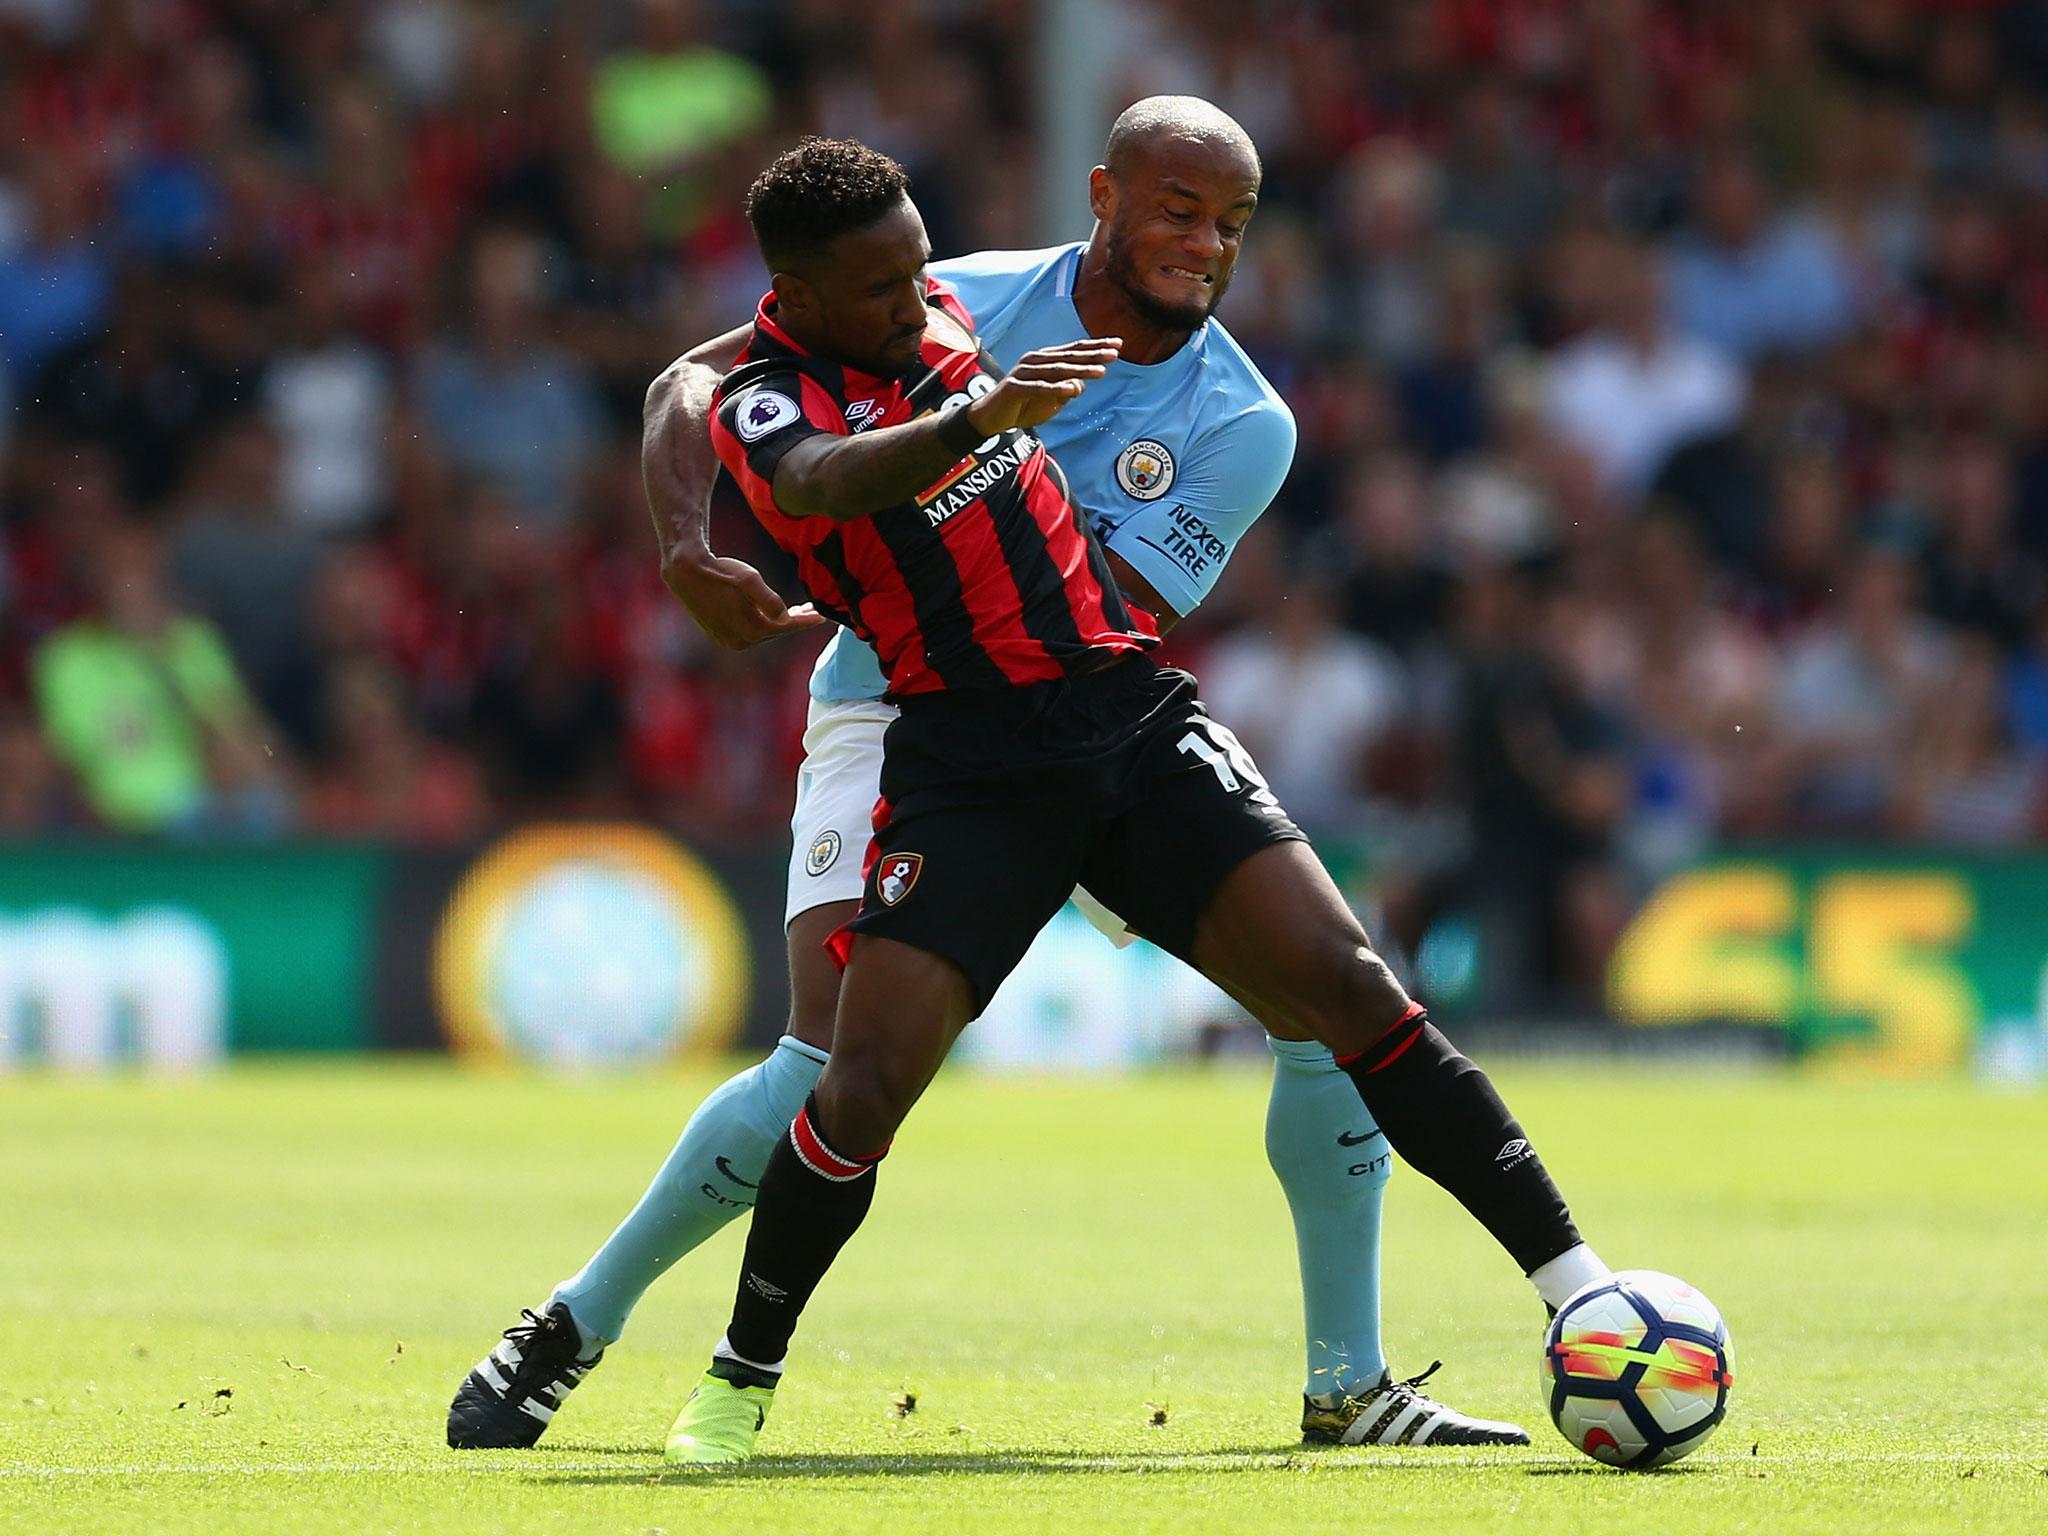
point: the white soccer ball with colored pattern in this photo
(1637, 1369)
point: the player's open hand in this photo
(733, 603)
(1042, 382)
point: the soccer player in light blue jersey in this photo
(1173, 455)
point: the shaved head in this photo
(1179, 180)
(1148, 125)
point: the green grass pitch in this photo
(242, 1305)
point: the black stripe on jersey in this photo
(765, 346)
(765, 354)
(1032, 568)
(925, 566)
(1113, 608)
(926, 392)
(830, 552)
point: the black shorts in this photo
(997, 803)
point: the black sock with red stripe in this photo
(1441, 1114)
(811, 1200)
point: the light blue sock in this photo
(708, 1180)
(1334, 1164)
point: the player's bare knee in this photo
(1356, 1000)
(861, 1103)
(810, 1020)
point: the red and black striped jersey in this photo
(989, 578)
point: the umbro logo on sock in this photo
(765, 1290)
(1514, 1154)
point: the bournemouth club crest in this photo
(897, 875)
(1145, 469)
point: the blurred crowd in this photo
(1673, 407)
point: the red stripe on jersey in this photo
(888, 607)
(824, 589)
(1068, 545)
(733, 458)
(998, 613)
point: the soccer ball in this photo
(1636, 1369)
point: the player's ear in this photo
(1102, 193)
(793, 295)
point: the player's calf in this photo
(1277, 930)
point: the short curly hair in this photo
(811, 195)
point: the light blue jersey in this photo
(1172, 460)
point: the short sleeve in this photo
(761, 419)
(978, 285)
(1181, 541)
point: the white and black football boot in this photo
(507, 1401)
(1399, 1413)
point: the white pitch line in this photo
(882, 1463)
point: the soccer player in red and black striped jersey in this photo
(1038, 748)
(989, 576)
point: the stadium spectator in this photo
(142, 704)
(56, 284)
(141, 388)
(1309, 701)
(380, 775)
(2026, 691)
(234, 556)
(1635, 388)
(1397, 589)
(328, 398)
(1752, 282)
(1849, 692)
(1977, 576)
(1546, 766)
(672, 96)
(503, 403)
(32, 794)
(1964, 783)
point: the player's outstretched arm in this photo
(848, 477)
(728, 598)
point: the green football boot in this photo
(718, 1424)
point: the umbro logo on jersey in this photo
(763, 412)
(898, 873)
(862, 414)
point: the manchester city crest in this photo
(1145, 469)
(824, 853)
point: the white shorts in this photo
(836, 791)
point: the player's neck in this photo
(1106, 310)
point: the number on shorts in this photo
(1227, 758)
